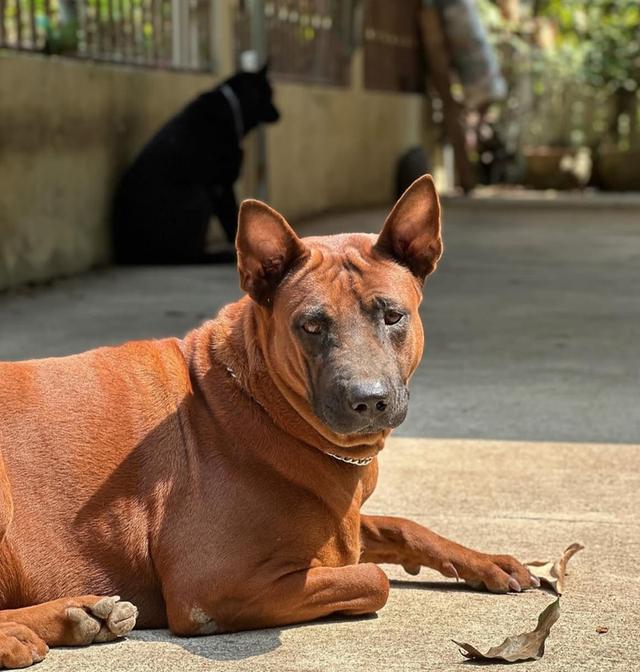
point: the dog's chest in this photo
(277, 523)
(342, 546)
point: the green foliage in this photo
(573, 68)
(606, 33)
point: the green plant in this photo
(574, 70)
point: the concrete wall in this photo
(335, 149)
(68, 127)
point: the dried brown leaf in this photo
(602, 629)
(553, 573)
(527, 646)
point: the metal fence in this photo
(307, 40)
(312, 40)
(393, 59)
(161, 33)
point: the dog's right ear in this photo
(267, 248)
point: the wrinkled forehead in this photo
(343, 273)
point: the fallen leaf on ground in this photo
(527, 646)
(602, 629)
(554, 573)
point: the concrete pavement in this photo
(531, 499)
(533, 325)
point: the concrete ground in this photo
(532, 319)
(529, 401)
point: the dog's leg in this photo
(74, 621)
(295, 598)
(403, 542)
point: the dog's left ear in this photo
(264, 70)
(411, 232)
(267, 249)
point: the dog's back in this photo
(44, 399)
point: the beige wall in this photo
(68, 127)
(335, 149)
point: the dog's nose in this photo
(369, 398)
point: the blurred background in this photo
(539, 93)
(525, 111)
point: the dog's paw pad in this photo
(84, 627)
(119, 618)
(103, 607)
(122, 618)
(103, 621)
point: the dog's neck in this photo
(245, 116)
(236, 341)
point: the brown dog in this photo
(217, 481)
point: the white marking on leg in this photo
(206, 625)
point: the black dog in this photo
(185, 175)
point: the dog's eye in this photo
(392, 316)
(312, 326)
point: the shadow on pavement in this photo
(237, 646)
(435, 586)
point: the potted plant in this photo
(539, 119)
(612, 66)
(574, 81)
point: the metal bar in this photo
(133, 33)
(259, 44)
(159, 32)
(118, 20)
(162, 33)
(192, 16)
(81, 11)
(148, 37)
(2, 31)
(258, 33)
(154, 30)
(121, 26)
(124, 34)
(216, 59)
(177, 34)
(99, 33)
(32, 23)
(19, 22)
(166, 31)
(111, 28)
(47, 13)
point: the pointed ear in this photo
(267, 249)
(411, 233)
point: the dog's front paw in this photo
(496, 573)
(20, 646)
(100, 621)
